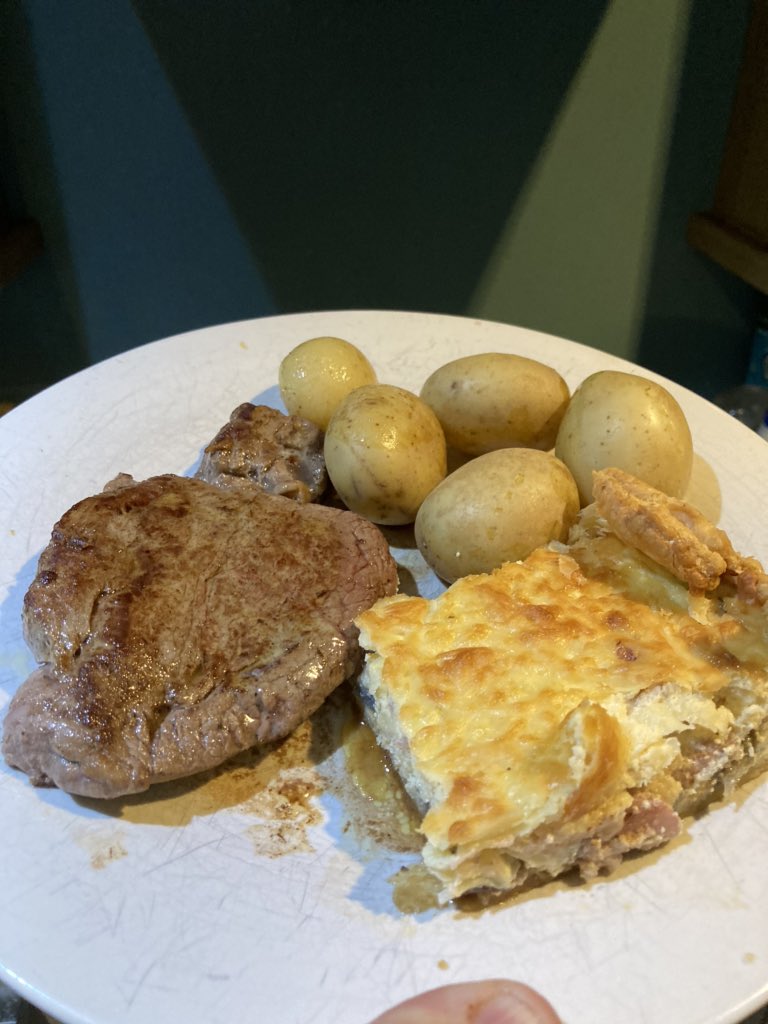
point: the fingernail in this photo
(506, 1008)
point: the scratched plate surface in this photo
(106, 919)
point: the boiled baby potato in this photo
(384, 452)
(497, 400)
(627, 421)
(497, 508)
(316, 375)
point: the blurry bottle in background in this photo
(748, 402)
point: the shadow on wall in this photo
(368, 150)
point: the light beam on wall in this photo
(573, 258)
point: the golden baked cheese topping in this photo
(563, 711)
(535, 696)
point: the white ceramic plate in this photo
(109, 921)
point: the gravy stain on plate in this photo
(286, 810)
(280, 787)
(277, 785)
(379, 815)
(415, 890)
(103, 849)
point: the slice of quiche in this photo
(563, 711)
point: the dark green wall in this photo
(193, 162)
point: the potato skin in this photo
(318, 374)
(630, 422)
(497, 400)
(384, 452)
(496, 508)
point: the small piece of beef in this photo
(178, 624)
(280, 454)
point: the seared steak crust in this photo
(178, 623)
(259, 445)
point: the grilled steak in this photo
(259, 445)
(178, 623)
